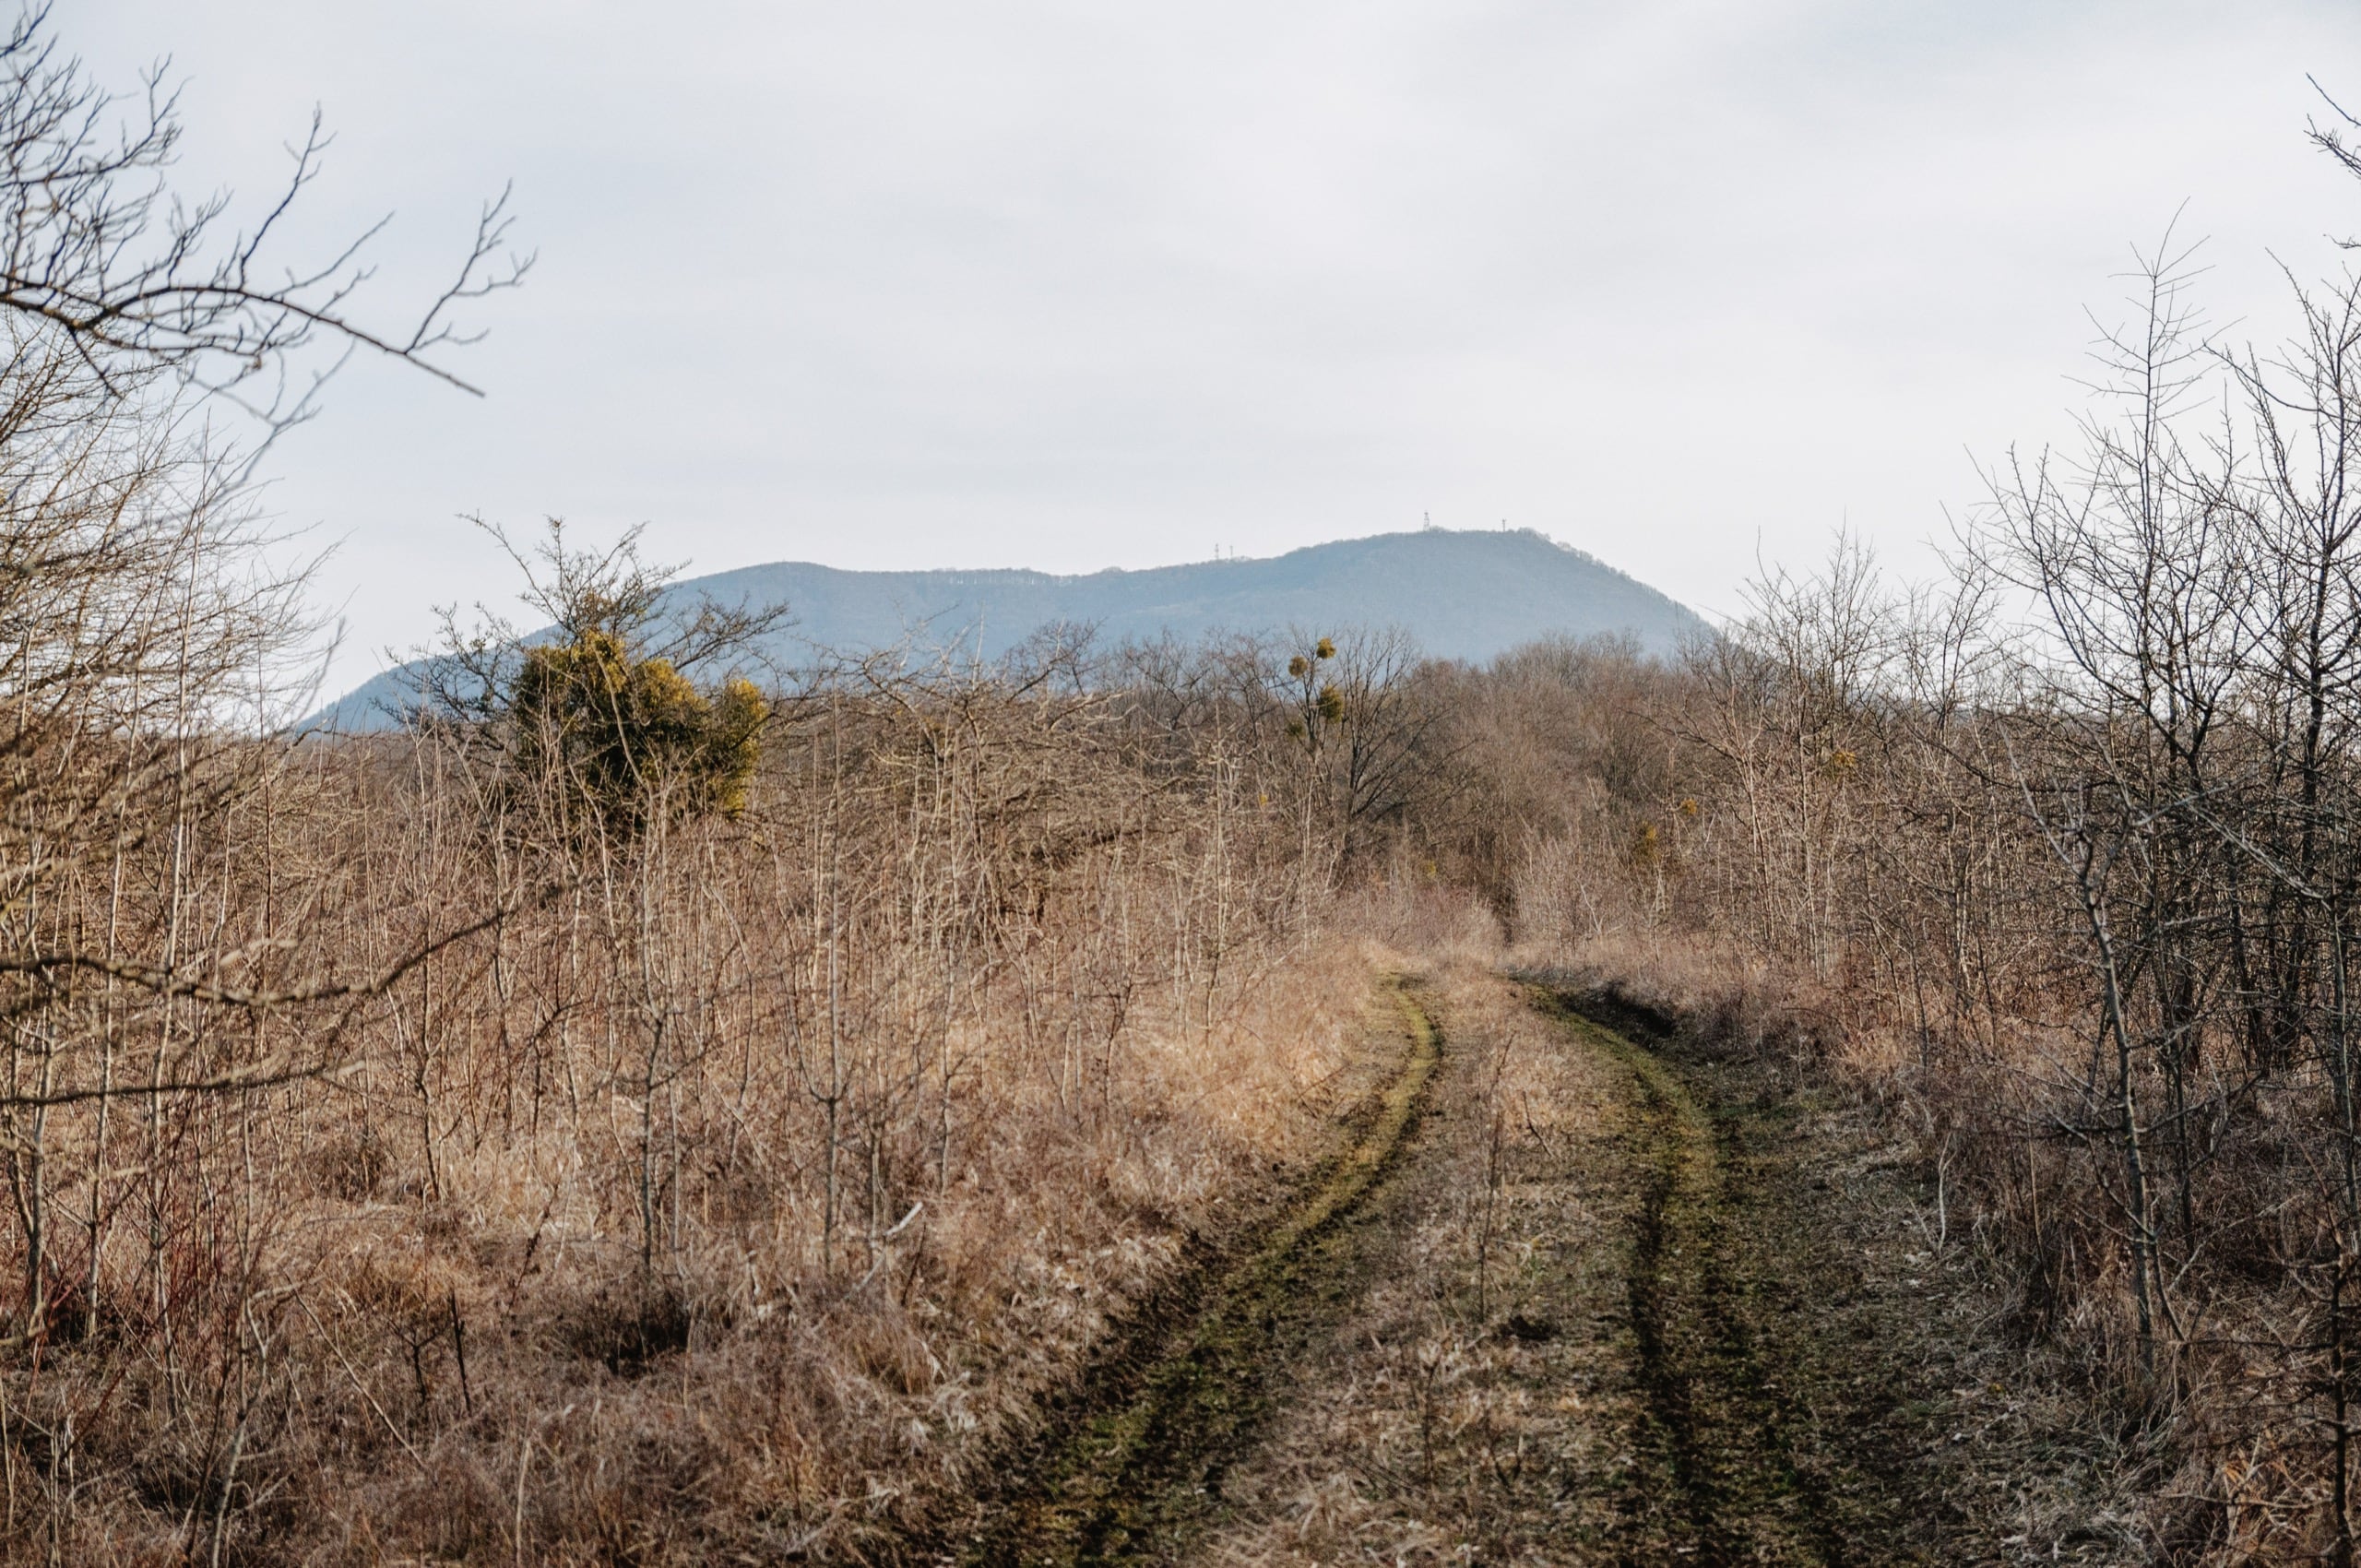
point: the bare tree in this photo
(138, 280)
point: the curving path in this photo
(1563, 1294)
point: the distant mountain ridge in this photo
(1463, 594)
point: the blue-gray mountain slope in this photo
(1462, 594)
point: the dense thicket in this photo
(2060, 859)
(616, 1116)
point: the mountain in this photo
(1463, 594)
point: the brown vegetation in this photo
(629, 1112)
(537, 1135)
(649, 1107)
(2058, 865)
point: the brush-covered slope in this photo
(1463, 595)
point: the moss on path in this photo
(1725, 1391)
(1576, 1294)
(1138, 1464)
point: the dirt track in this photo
(1559, 1299)
(1134, 1467)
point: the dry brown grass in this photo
(740, 1189)
(1426, 1432)
(2080, 1452)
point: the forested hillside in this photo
(1461, 594)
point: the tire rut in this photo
(1716, 1422)
(1681, 1324)
(1132, 1467)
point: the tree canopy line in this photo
(382, 1113)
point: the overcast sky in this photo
(899, 284)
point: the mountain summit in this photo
(1464, 594)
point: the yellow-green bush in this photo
(626, 736)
